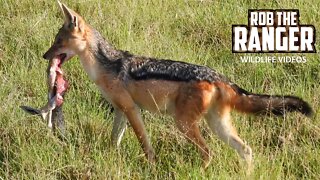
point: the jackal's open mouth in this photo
(62, 58)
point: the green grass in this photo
(193, 31)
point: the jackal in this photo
(185, 91)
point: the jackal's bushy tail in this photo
(263, 104)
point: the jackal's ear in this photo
(71, 18)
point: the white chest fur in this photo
(90, 66)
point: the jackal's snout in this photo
(50, 52)
(46, 56)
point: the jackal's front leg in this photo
(119, 127)
(134, 117)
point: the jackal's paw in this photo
(206, 162)
(247, 154)
(248, 157)
(151, 156)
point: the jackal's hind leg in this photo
(219, 122)
(187, 123)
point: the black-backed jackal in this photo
(185, 91)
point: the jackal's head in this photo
(70, 39)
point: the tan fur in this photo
(154, 95)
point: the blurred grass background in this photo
(192, 31)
